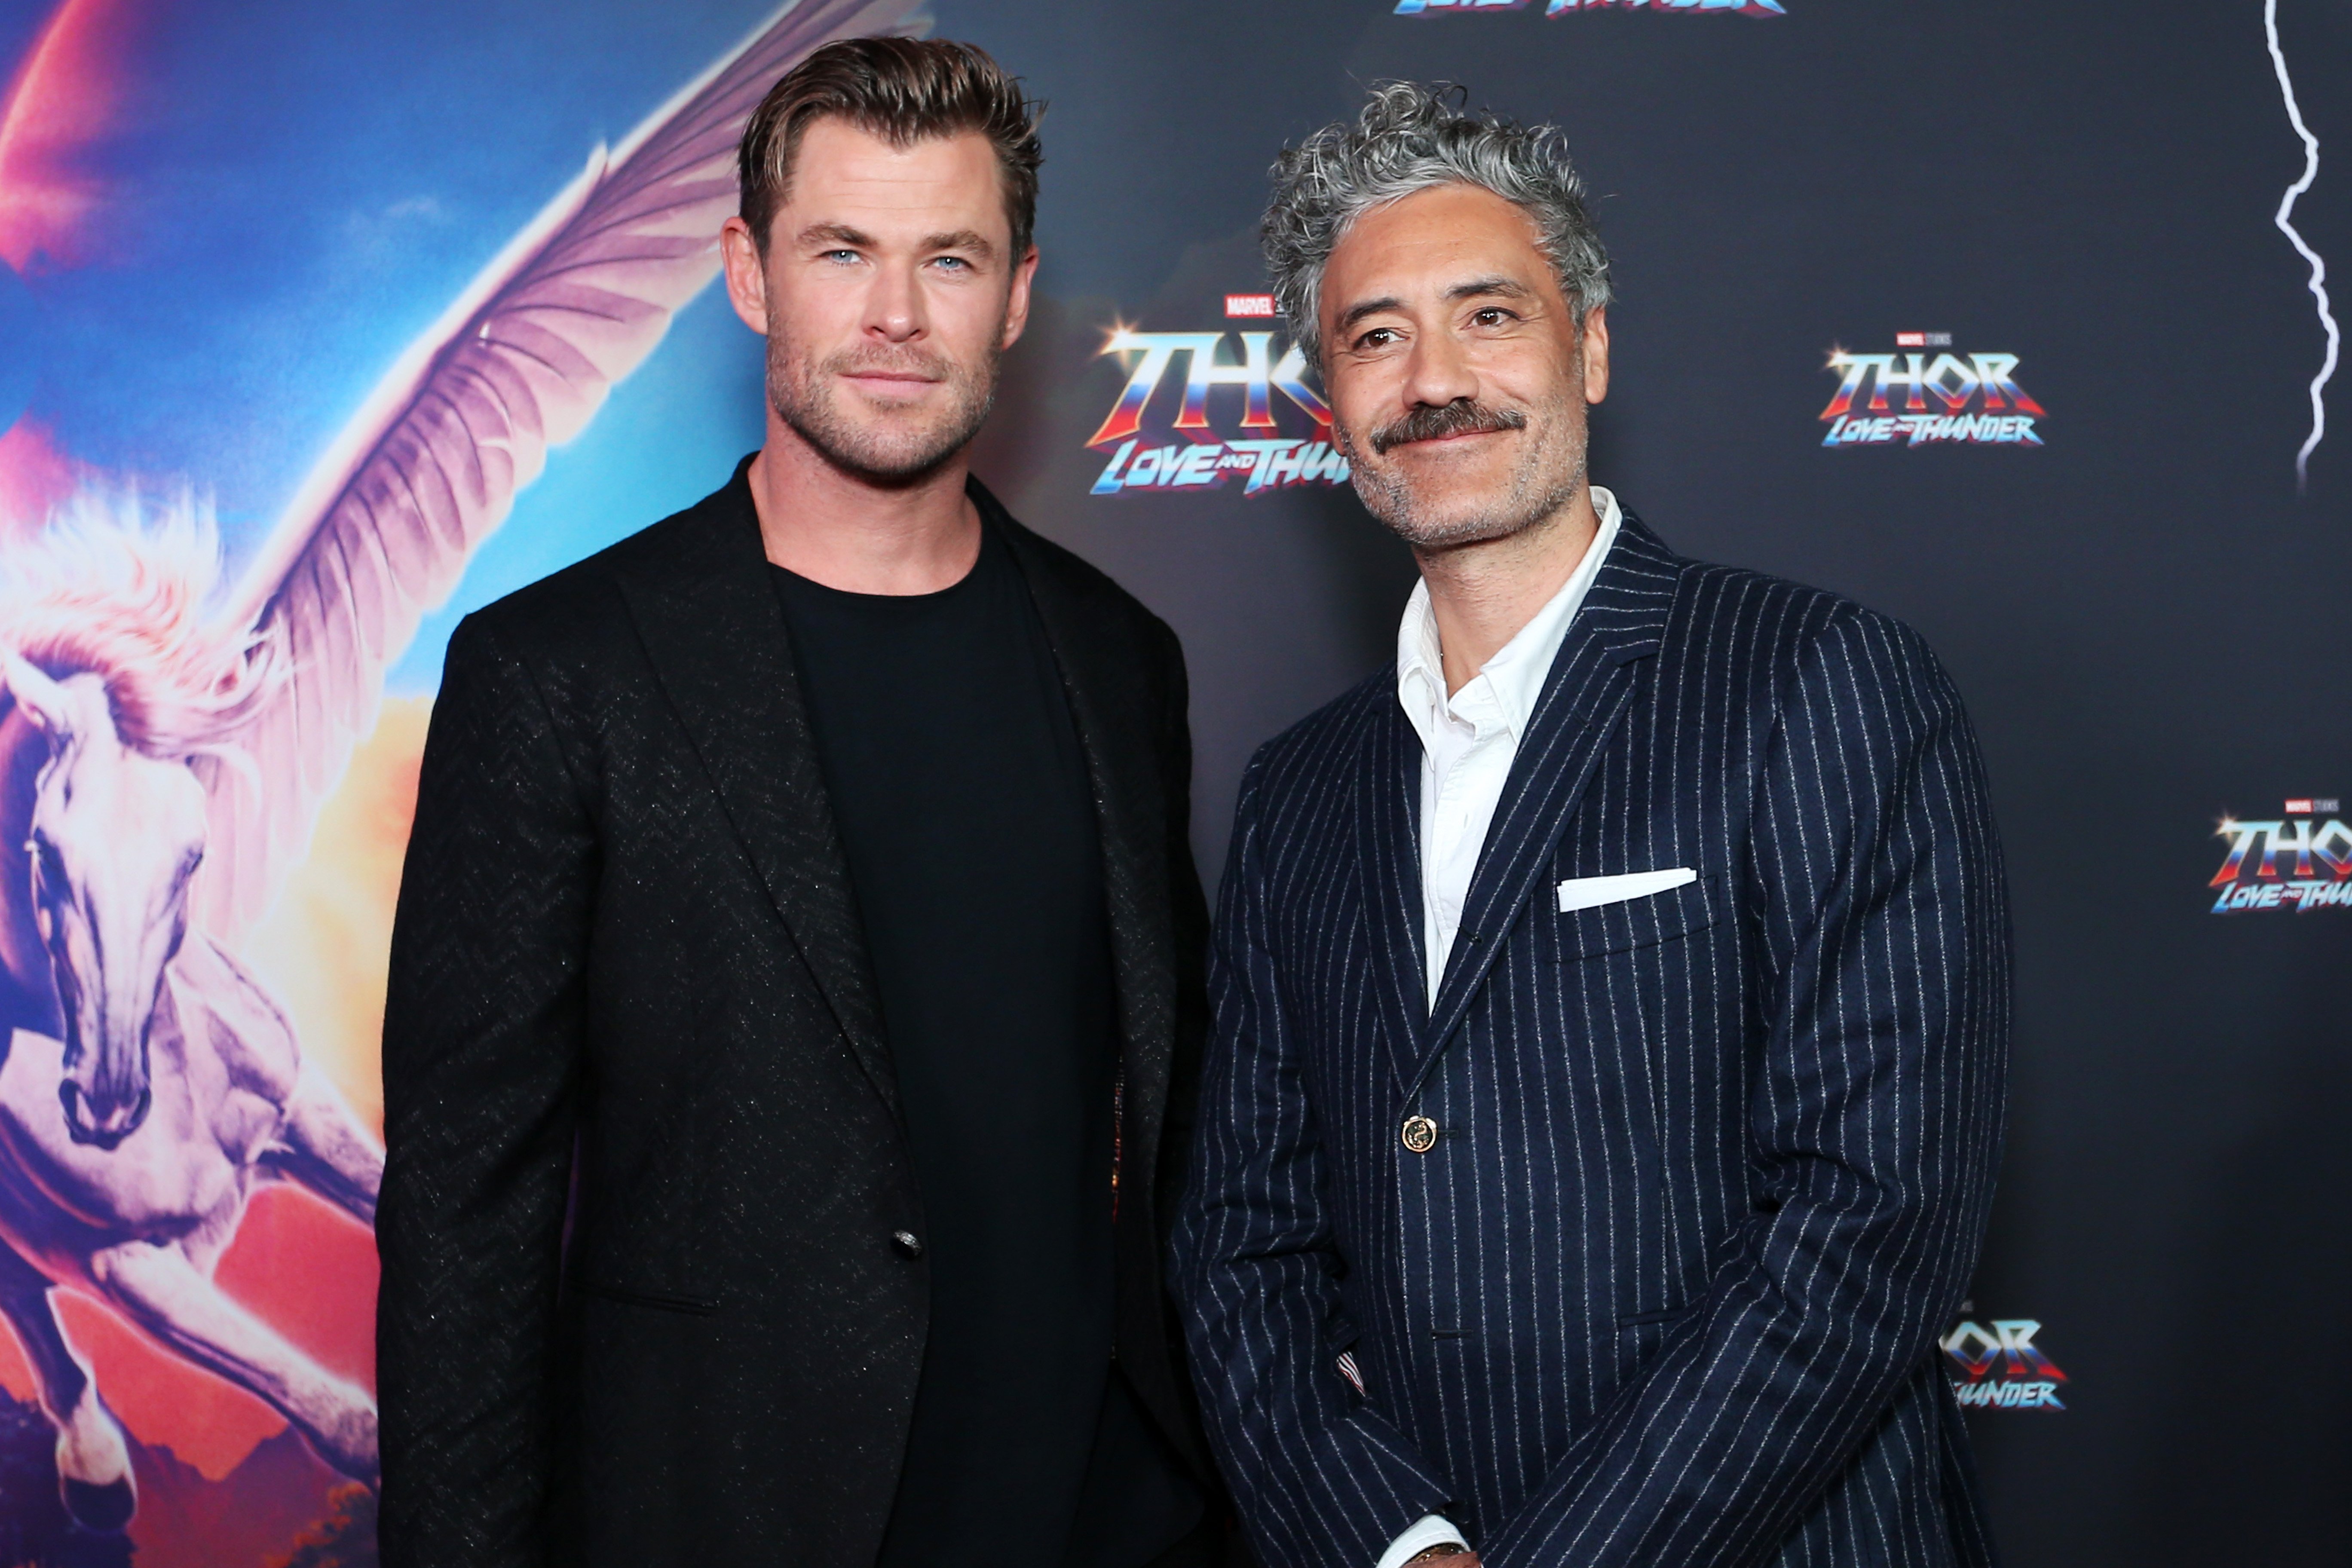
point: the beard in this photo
(806, 396)
(1546, 477)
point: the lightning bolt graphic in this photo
(2318, 265)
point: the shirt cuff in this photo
(1430, 1530)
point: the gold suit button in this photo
(1420, 1134)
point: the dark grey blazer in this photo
(1711, 1167)
(626, 927)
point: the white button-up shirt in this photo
(1467, 743)
(1468, 740)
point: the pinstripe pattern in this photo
(1714, 1164)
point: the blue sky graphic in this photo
(297, 192)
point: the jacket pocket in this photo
(661, 1301)
(1575, 935)
(1640, 1337)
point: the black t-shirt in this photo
(962, 796)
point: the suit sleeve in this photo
(1322, 1479)
(1876, 894)
(482, 1063)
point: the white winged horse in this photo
(163, 755)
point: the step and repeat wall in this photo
(2006, 318)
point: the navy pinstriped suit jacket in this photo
(1713, 1166)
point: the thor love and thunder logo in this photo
(1921, 397)
(1998, 1368)
(2300, 860)
(1158, 442)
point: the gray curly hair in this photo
(1412, 138)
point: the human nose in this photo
(1438, 371)
(895, 308)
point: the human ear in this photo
(1596, 354)
(747, 274)
(1016, 305)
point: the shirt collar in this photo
(1516, 675)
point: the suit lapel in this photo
(1115, 720)
(1110, 678)
(1592, 678)
(715, 634)
(1388, 847)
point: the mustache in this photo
(1462, 416)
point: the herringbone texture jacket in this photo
(1711, 1167)
(642, 1303)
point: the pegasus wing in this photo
(382, 530)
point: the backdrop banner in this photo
(323, 325)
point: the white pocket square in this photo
(1584, 892)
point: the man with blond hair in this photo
(801, 914)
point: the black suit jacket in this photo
(642, 1302)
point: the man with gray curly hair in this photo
(1611, 995)
(1412, 143)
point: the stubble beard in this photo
(1548, 476)
(805, 397)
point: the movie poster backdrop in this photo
(322, 325)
